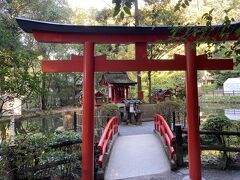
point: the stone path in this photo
(136, 155)
(145, 128)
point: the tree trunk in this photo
(139, 79)
(150, 78)
(150, 86)
(43, 96)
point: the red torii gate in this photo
(88, 64)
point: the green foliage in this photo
(108, 110)
(216, 123)
(166, 109)
(18, 66)
(25, 153)
(182, 4)
(222, 76)
(165, 80)
(235, 140)
(103, 16)
(220, 123)
(209, 87)
(59, 137)
(122, 7)
(208, 17)
(36, 150)
(58, 156)
(160, 14)
(20, 69)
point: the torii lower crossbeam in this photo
(101, 64)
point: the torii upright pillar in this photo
(88, 112)
(192, 112)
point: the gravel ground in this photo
(207, 174)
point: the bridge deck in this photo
(136, 155)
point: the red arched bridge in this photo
(128, 156)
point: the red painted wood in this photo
(76, 57)
(54, 37)
(62, 66)
(141, 51)
(192, 113)
(203, 63)
(163, 129)
(88, 113)
(140, 65)
(109, 131)
(104, 65)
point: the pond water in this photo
(41, 124)
(49, 123)
(231, 111)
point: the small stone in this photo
(184, 171)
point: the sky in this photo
(99, 4)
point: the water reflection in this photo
(41, 124)
(232, 114)
(231, 111)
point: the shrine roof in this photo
(32, 25)
(117, 78)
(161, 92)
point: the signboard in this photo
(12, 107)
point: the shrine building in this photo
(118, 85)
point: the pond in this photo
(48, 123)
(41, 124)
(231, 111)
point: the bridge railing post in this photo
(174, 121)
(178, 145)
(75, 121)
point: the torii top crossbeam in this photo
(59, 33)
(141, 36)
(62, 33)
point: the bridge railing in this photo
(110, 130)
(161, 126)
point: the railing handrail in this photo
(110, 130)
(163, 128)
(213, 132)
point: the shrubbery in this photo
(30, 153)
(216, 123)
(209, 87)
(220, 123)
(166, 109)
(108, 110)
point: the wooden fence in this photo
(221, 93)
(180, 145)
